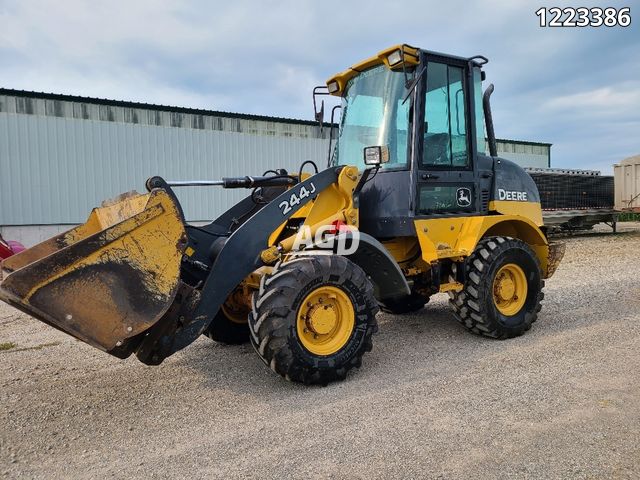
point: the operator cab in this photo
(425, 110)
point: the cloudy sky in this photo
(578, 88)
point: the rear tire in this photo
(313, 318)
(487, 306)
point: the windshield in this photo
(373, 114)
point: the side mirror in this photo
(319, 112)
(376, 155)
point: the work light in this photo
(333, 87)
(394, 58)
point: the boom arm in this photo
(240, 255)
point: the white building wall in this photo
(62, 156)
(54, 170)
(526, 160)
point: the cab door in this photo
(443, 162)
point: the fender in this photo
(376, 261)
(383, 270)
(457, 237)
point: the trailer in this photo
(574, 199)
(627, 184)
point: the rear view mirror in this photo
(376, 155)
(319, 112)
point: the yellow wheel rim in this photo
(325, 320)
(235, 309)
(510, 289)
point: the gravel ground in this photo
(431, 400)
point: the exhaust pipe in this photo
(488, 119)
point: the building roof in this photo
(523, 142)
(150, 106)
(194, 111)
(635, 160)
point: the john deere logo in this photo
(463, 197)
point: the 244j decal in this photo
(296, 198)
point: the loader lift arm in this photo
(240, 255)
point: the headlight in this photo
(394, 58)
(333, 87)
(376, 155)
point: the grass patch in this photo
(10, 347)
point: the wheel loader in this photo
(410, 194)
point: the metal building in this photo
(62, 155)
(525, 154)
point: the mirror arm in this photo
(333, 111)
(319, 114)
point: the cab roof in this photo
(411, 56)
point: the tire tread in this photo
(466, 304)
(270, 317)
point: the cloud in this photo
(576, 88)
(619, 99)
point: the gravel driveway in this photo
(431, 400)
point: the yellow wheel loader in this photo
(410, 205)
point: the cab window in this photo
(445, 126)
(374, 113)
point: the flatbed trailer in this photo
(573, 220)
(574, 199)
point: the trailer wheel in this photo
(408, 304)
(313, 318)
(230, 323)
(503, 289)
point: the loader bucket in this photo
(107, 281)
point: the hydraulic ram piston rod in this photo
(195, 183)
(238, 182)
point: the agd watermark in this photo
(332, 239)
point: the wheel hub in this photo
(237, 306)
(322, 319)
(510, 289)
(506, 287)
(326, 320)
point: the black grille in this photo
(484, 198)
(574, 192)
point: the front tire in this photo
(502, 291)
(313, 318)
